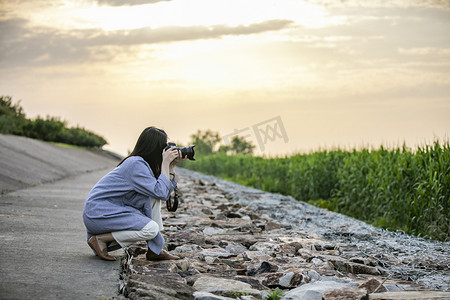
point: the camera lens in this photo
(189, 151)
(185, 151)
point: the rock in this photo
(372, 286)
(255, 283)
(183, 238)
(313, 291)
(283, 280)
(211, 260)
(411, 295)
(270, 225)
(225, 234)
(186, 249)
(209, 296)
(264, 267)
(256, 255)
(207, 211)
(220, 217)
(316, 261)
(224, 287)
(353, 268)
(246, 240)
(156, 287)
(181, 266)
(215, 252)
(262, 246)
(248, 298)
(235, 248)
(363, 261)
(291, 279)
(345, 294)
(305, 253)
(313, 275)
(285, 250)
(213, 230)
(233, 215)
(393, 287)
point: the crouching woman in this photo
(124, 207)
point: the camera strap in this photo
(174, 206)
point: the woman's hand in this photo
(170, 155)
(178, 159)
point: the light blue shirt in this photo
(121, 200)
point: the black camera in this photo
(185, 151)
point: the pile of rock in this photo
(240, 243)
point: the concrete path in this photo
(44, 254)
(43, 249)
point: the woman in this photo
(125, 205)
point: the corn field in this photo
(395, 189)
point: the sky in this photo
(287, 75)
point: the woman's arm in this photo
(173, 163)
(142, 180)
(170, 156)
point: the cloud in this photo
(425, 51)
(440, 4)
(128, 3)
(178, 33)
(24, 45)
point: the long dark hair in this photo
(149, 146)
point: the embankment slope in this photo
(44, 254)
(25, 162)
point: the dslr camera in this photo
(185, 151)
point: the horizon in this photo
(290, 77)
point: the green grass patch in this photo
(390, 188)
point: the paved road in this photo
(43, 250)
(44, 254)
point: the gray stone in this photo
(209, 296)
(256, 255)
(270, 225)
(345, 294)
(283, 280)
(354, 268)
(207, 211)
(372, 285)
(215, 252)
(248, 298)
(224, 287)
(411, 295)
(317, 261)
(313, 291)
(213, 230)
(186, 248)
(390, 287)
(264, 267)
(157, 287)
(235, 248)
(211, 260)
(313, 275)
(263, 246)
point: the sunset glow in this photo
(338, 73)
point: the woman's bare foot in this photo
(100, 248)
(164, 255)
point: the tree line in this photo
(14, 121)
(208, 142)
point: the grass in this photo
(68, 145)
(395, 189)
